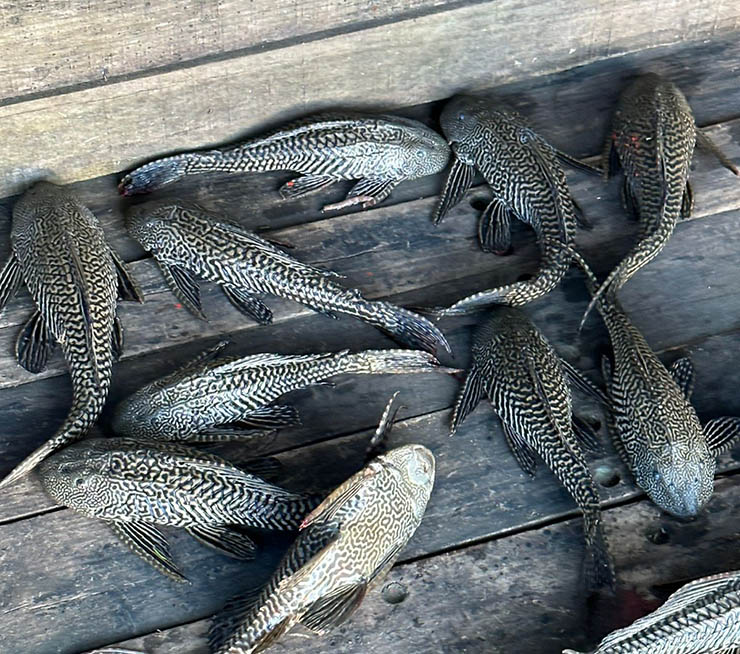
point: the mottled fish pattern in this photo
(703, 617)
(525, 381)
(652, 139)
(345, 548)
(379, 151)
(656, 429)
(189, 243)
(137, 485)
(60, 254)
(528, 183)
(224, 399)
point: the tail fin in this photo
(405, 326)
(155, 174)
(598, 565)
(396, 362)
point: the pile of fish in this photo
(157, 471)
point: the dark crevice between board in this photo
(32, 514)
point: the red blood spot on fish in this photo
(178, 306)
(290, 183)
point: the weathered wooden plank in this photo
(90, 132)
(52, 46)
(523, 590)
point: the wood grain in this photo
(94, 131)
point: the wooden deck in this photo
(495, 565)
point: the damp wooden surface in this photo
(67, 585)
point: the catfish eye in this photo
(78, 482)
(656, 475)
(461, 116)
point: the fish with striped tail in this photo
(189, 243)
(702, 617)
(215, 399)
(345, 548)
(526, 383)
(60, 254)
(523, 171)
(379, 151)
(136, 486)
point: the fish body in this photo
(380, 151)
(60, 254)
(346, 547)
(527, 181)
(189, 243)
(657, 430)
(525, 381)
(136, 486)
(702, 617)
(201, 400)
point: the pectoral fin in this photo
(494, 228)
(469, 397)
(368, 192)
(525, 456)
(721, 433)
(10, 280)
(301, 186)
(459, 180)
(272, 636)
(224, 539)
(376, 445)
(230, 618)
(581, 220)
(610, 158)
(580, 381)
(271, 417)
(687, 202)
(586, 436)
(706, 143)
(117, 339)
(334, 608)
(248, 304)
(34, 345)
(128, 288)
(682, 371)
(149, 543)
(571, 161)
(184, 287)
(629, 201)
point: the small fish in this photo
(523, 172)
(224, 399)
(59, 252)
(702, 617)
(379, 151)
(525, 380)
(345, 548)
(656, 430)
(188, 243)
(136, 485)
(652, 138)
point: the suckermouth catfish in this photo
(59, 252)
(703, 617)
(653, 137)
(524, 174)
(136, 485)
(656, 429)
(525, 381)
(379, 151)
(188, 242)
(224, 399)
(344, 549)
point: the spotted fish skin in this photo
(702, 617)
(137, 485)
(653, 138)
(380, 151)
(346, 547)
(527, 182)
(59, 252)
(524, 379)
(192, 402)
(188, 242)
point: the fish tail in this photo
(403, 326)
(598, 566)
(395, 362)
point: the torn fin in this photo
(687, 202)
(128, 288)
(469, 397)
(248, 304)
(184, 287)
(494, 228)
(224, 539)
(368, 192)
(682, 371)
(459, 180)
(34, 344)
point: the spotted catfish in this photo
(379, 151)
(524, 174)
(134, 486)
(653, 137)
(702, 617)
(60, 254)
(656, 429)
(224, 399)
(525, 381)
(188, 242)
(346, 546)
